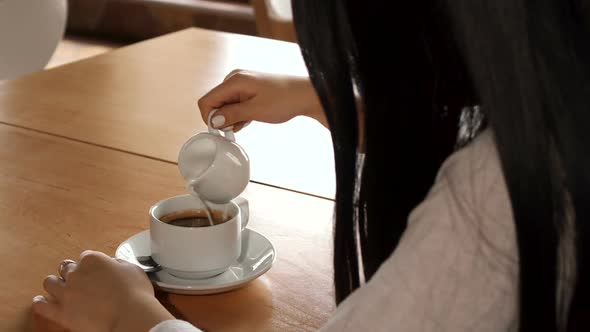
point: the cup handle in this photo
(228, 133)
(244, 210)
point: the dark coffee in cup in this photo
(194, 218)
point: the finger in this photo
(86, 254)
(233, 90)
(66, 267)
(121, 261)
(47, 309)
(233, 114)
(240, 125)
(233, 72)
(49, 299)
(126, 263)
(39, 298)
(90, 259)
(54, 286)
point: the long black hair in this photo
(417, 65)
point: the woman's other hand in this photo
(100, 294)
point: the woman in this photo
(492, 239)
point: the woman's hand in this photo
(246, 96)
(100, 294)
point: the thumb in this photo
(49, 310)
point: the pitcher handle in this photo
(228, 133)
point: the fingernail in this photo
(39, 298)
(218, 121)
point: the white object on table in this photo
(30, 31)
(280, 10)
(257, 257)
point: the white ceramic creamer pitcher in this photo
(215, 167)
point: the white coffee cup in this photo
(214, 165)
(197, 252)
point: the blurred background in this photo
(97, 26)
(93, 27)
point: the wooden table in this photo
(59, 197)
(142, 99)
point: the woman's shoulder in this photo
(454, 267)
(474, 176)
(470, 187)
(474, 181)
(478, 158)
(468, 216)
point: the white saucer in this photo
(257, 257)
